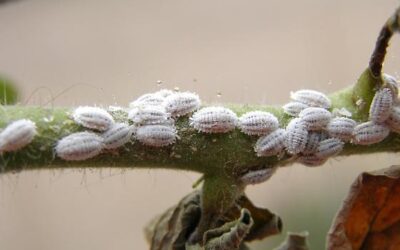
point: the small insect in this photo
(315, 118)
(369, 133)
(257, 176)
(342, 128)
(117, 135)
(381, 105)
(17, 135)
(79, 146)
(329, 147)
(394, 119)
(313, 140)
(271, 144)
(181, 103)
(311, 98)
(296, 136)
(311, 160)
(391, 83)
(214, 120)
(93, 118)
(145, 115)
(156, 135)
(258, 123)
(294, 108)
(150, 99)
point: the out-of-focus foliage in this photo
(8, 92)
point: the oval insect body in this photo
(150, 99)
(369, 133)
(391, 83)
(156, 135)
(394, 119)
(296, 136)
(294, 108)
(271, 144)
(93, 118)
(257, 176)
(214, 120)
(17, 135)
(181, 103)
(145, 115)
(258, 123)
(311, 98)
(329, 147)
(381, 105)
(311, 160)
(342, 128)
(313, 140)
(315, 118)
(79, 146)
(118, 135)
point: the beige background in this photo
(109, 52)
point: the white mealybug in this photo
(145, 115)
(152, 99)
(381, 105)
(313, 140)
(315, 118)
(257, 176)
(341, 127)
(117, 135)
(93, 118)
(79, 146)
(394, 119)
(17, 135)
(156, 135)
(311, 98)
(271, 144)
(391, 83)
(311, 160)
(214, 120)
(294, 108)
(329, 147)
(258, 123)
(181, 103)
(296, 136)
(369, 133)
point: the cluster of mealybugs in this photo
(17, 135)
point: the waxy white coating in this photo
(381, 105)
(17, 135)
(257, 176)
(296, 136)
(394, 119)
(311, 160)
(118, 135)
(146, 115)
(368, 133)
(294, 108)
(93, 118)
(315, 118)
(312, 98)
(258, 123)
(313, 140)
(214, 120)
(329, 147)
(150, 99)
(156, 135)
(79, 146)
(342, 128)
(271, 144)
(181, 103)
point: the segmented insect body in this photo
(394, 119)
(257, 176)
(150, 99)
(79, 146)
(271, 144)
(93, 118)
(145, 115)
(117, 135)
(329, 147)
(311, 98)
(391, 83)
(156, 135)
(342, 128)
(17, 135)
(214, 120)
(369, 133)
(181, 103)
(313, 140)
(315, 118)
(296, 136)
(258, 123)
(294, 108)
(381, 105)
(311, 160)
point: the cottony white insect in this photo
(313, 140)
(342, 128)
(17, 135)
(294, 108)
(271, 144)
(315, 118)
(93, 118)
(311, 160)
(214, 120)
(156, 135)
(381, 105)
(296, 136)
(79, 146)
(150, 99)
(391, 83)
(117, 135)
(329, 147)
(394, 119)
(258, 123)
(311, 98)
(369, 133)
(181, 103)
(145, 115)
(257, 176)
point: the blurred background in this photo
(68, 53)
